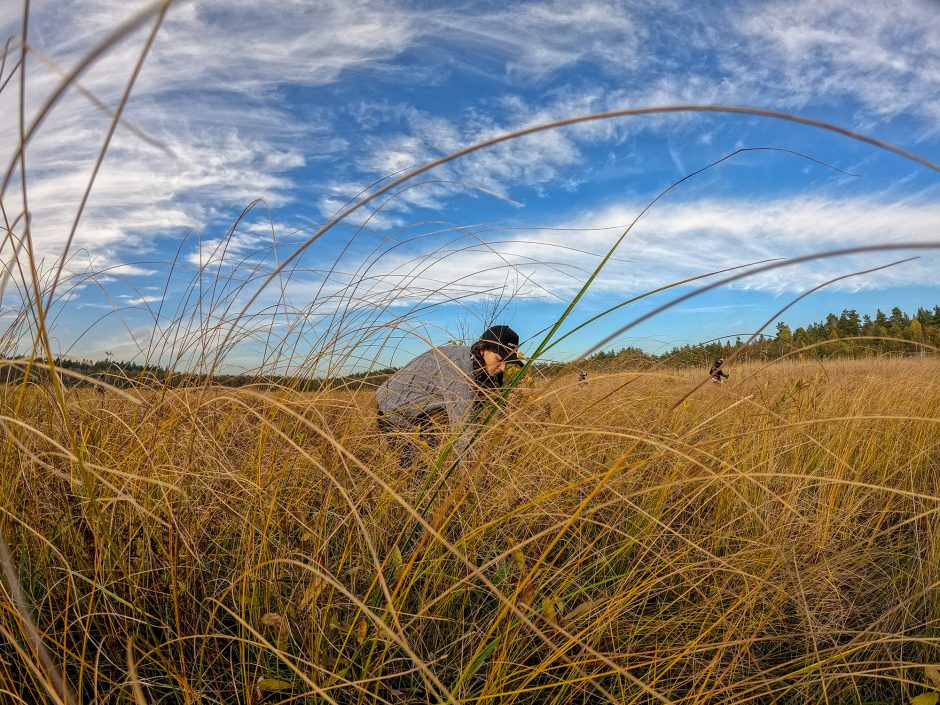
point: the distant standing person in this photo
(448, 383)
(717, 374)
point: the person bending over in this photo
(448, 384)
(717, 374)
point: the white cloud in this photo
(883, 56)
(780, 55)
(208, 92)
(234, 247)
(684, 239)
(141, 300)
(672, 243)
(130, 270)
(679, 240)
(538, 38)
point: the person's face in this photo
(493, 363)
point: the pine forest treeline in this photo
(846, 335)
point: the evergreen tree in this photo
(801, 337)
(849, 323)
(899, 321)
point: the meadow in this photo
(646, 537)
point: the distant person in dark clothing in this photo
(447, 385)
(717, 374)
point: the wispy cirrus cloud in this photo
(687, 239)
(861, 60)
(535, 39)
(141, 300)
(885, 59)
(208, 94)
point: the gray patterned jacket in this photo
(440, 379)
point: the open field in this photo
(771, 540)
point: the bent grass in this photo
(774, 539)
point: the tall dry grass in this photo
(772, 540)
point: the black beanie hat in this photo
(502, 340)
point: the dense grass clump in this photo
(769, 540)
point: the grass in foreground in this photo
(770, 540)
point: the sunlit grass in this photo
(771, 539)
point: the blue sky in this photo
(304, 105)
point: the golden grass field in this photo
(774, 539)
